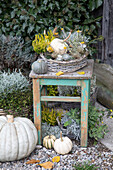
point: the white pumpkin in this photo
(59, 46)
(48, 141)
(18, 138)
(63, 145)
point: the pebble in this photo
(102, 158)
(38, 147)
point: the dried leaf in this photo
(47, 165)
(32, 161)
(59, 73)
(81, 73)
(56, 159)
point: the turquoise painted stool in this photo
(67, 79)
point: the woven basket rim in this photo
(63, 62)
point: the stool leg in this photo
(44, 93)
(37, 107)
(84, 112)
(89, 89)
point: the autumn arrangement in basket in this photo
(67, 52)
(70, 46)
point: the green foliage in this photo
(73, 114)
(26, 18)
(84, 166)
(52, 90)
(15, 94)
(18, 103)
(94, 4)
(96, 128)
(75, 92)
(50, 115)
(15, 53)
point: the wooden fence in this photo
(105, 48)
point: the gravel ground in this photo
(98, 155)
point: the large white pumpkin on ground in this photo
(18, 138)
(63, 145)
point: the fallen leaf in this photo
(32, 161)
(81, 73)
(59, 73)
(56, 159)
(47, 165)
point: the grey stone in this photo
(105, 97)
(104, 77)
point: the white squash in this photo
(63, 145)
(18, 138)
(48, 141)
(59, 46)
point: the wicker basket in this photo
(65, 66)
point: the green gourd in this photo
(39, 67)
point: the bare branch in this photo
(68, 36)
(54, 30)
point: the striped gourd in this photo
(48, 141)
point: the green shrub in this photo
(15, 94)
(96, 128)
(15, 53)
(25, 18)
(18, 103)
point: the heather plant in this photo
(50, 115)
(42, 41)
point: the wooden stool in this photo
(67, 79)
